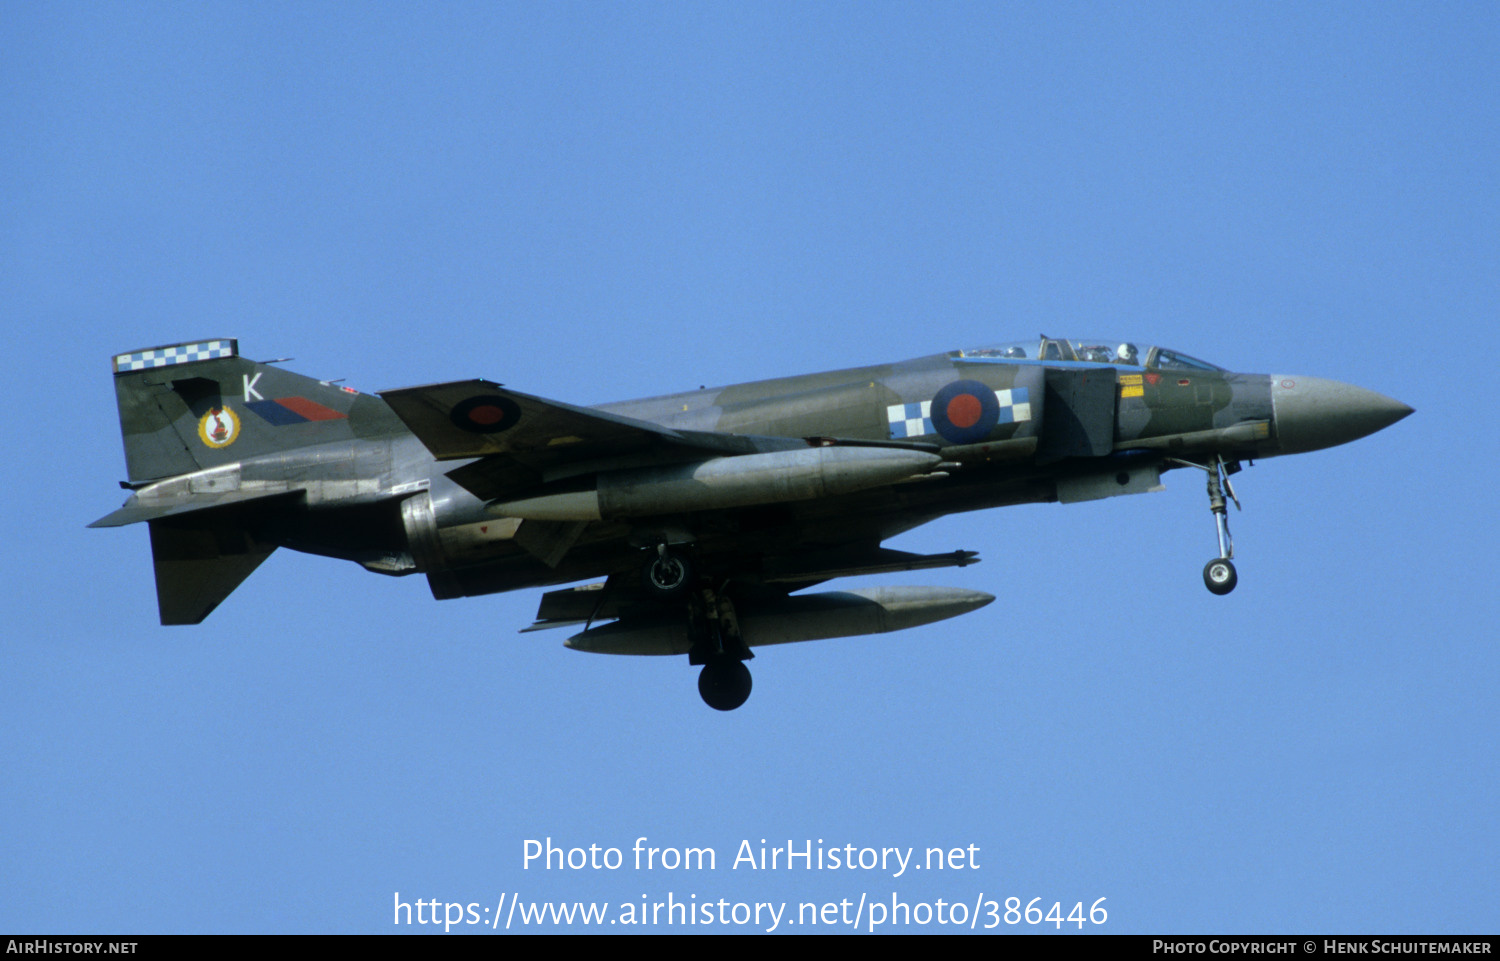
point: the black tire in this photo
(724, 684)
(667, 575)
(1219, 575)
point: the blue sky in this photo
(600, 201)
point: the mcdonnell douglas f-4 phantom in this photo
(706, 512)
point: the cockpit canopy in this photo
(1123, 353)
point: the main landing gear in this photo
(724, 682)
(714, 630)
(1219, 575)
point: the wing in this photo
(524, 449)
(478, 418)
(521, 440)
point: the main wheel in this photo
(724, 684)
(667, 575)
(1219, 575)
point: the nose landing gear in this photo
(1219, 575)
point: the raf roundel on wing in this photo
(485, 415)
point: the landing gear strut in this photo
(1219, 575)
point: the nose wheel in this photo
(1219, 575)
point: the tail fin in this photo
(186, 407)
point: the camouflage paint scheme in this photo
(786, 482)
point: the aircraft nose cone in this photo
(1312, 413)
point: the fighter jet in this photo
(701, 518)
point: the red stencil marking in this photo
(310, 409)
